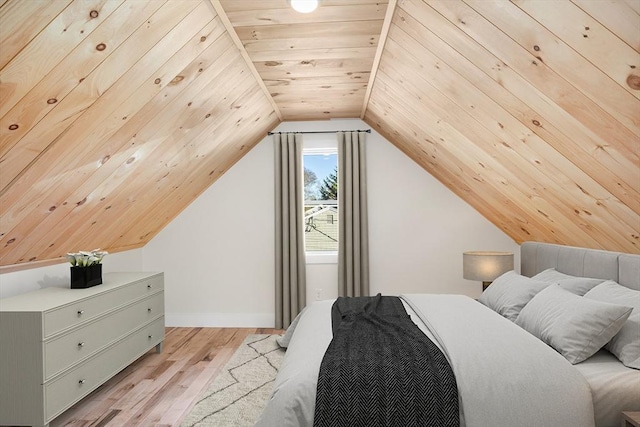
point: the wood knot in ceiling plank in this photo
(633, 81)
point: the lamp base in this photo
(485, 285)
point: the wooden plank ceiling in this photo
(526, 109)
(116, 114)
(316, 65)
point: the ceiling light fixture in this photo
(304, 6)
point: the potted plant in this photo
(86, 268)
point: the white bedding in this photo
(506, 377)
(615, 388)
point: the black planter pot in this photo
(86, 277)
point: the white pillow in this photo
(576, 327)
(510, 292)
(626, 344)
(574, 284)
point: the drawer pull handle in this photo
(82, 382)
(81, 344)
(148, 286)
(150, 336)
(80, 313)
(149, 310)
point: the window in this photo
(320, 162)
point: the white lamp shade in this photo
(304, 6)
(485, 266)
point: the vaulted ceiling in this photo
(116, 114)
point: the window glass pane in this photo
(321, 201)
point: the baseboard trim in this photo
(220, 320)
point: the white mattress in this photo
(614, 387)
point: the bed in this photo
(542, 348)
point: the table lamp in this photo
(485, 266)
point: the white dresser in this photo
(57, 345)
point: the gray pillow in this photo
(626, 344)
(576, 327)
(574, 284)
(510, 292)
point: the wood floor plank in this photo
(160, 389)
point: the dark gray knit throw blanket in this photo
(381, 370)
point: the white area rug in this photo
(240, 392)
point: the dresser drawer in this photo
(73, 314)
(63, 392)
(66, 350)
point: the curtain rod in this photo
(323, 131)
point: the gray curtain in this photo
(353, 240)
(289, 203)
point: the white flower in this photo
(80, 261)
(85, 258)
(71, 258)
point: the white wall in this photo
(58, 275)
(419, 228)
(218, 254)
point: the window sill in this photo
(322, 257)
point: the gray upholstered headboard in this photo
(623, 268)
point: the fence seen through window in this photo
(321, 214)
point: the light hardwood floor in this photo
(160, 389)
